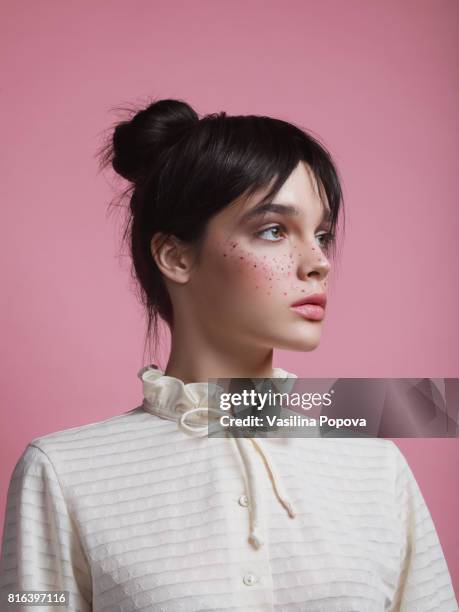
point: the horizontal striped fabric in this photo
(130, 514)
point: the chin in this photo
(306, 340)
(302, 345)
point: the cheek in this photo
(257, 272)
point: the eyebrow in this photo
(282, 209)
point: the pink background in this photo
(376, 80)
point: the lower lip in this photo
(313, 312)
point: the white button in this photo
(243, 501)
(249, 579)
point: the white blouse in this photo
(144, 511)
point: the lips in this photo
(315, 298)
(311, 307)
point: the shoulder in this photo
(350, 459)
(364, 463)
(375, 452)
(67, 450)
(118, 427)
(85, 430)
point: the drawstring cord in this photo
(252, 483)
(276, 481)
(253, 493)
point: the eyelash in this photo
(328, 236)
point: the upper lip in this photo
(313, 298)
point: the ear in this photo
(172, 256)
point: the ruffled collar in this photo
(169, 397)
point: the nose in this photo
(313, 263)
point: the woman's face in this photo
(254, 266)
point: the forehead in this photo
(298, 196)
(301, 186)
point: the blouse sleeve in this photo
(41, 550)
(424, 579)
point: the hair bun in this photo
(137, 142)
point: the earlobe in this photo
(171, 256)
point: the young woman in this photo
(232, 221)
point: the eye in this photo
(272, 228)
(325, 240)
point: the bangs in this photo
(228, 159)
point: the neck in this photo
(191, 361)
